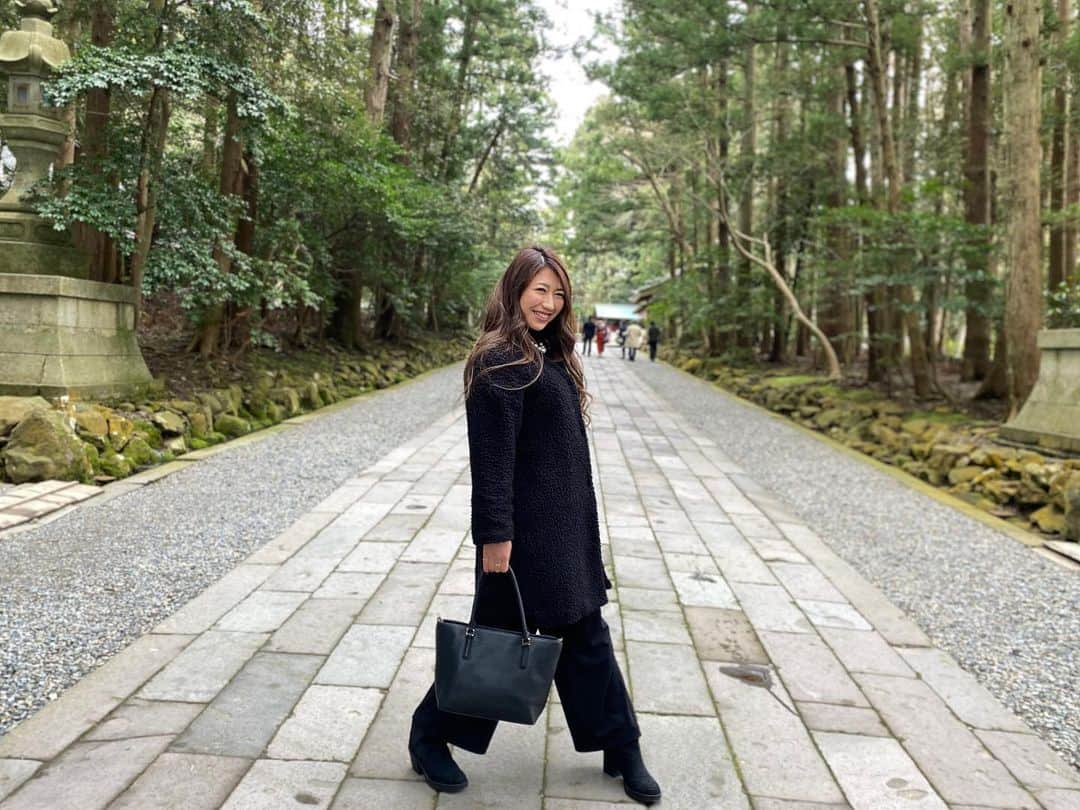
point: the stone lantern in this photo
(59, 333)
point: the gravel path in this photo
(1008, 615)
(77, 590)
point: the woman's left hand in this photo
(497, 557)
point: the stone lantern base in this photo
(62, 335)
(1051, 416)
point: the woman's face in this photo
(543, 299)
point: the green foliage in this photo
(1063, 307)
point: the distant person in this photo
(534, 505)
(622, 339)
(588, 332)
(654, 340)
(601, 337)
(635, 335)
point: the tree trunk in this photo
(1058, 272)
(379, 62)
(457, 102)
(152, 154)
(978, 289)
(94, 147)
(835, 316)
(747, 156)
(1022, 97)
(407, 53)
(920, 371)
(778, 351)
(230, 184)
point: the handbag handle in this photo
(471, 629)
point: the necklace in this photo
(540, 347)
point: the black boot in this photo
(432, 761)
(637, 781)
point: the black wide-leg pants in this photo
(593, 694)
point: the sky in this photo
(572, 20)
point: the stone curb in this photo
(123, 486)
(1029, 539)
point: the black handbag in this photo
(493, 673)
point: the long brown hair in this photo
(505, 326)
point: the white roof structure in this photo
(617, 312)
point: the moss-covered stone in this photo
(1049, 519)
(114, 464)
(42, 446)
(1071, 492)
(172, 424)
(231, 426)
(287, 397)
(14, 409)
(121, 429)
(147, 431)
(200, 425)
(139, 453)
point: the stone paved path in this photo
(289, 683)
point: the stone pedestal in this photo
(1051, 416)
(62, 335)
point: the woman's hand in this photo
(496, 557)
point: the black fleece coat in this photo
(532, 484)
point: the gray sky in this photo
(573, 93)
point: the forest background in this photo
(292, 173)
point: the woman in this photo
(533, 504)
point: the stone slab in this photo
(886, 618)
(724, 635)
(953, 759)
(1030, 760)
(768, 607)
(862, 651)
(359, 586)
(327, 724)
(661, 627)
(647, 599)
(201, 612)
(87, 775)
(13, 772)
(384, 794)
(368, 655)
(382, 753)
(703, 590)
(204, 667)
(809, 669)
(969, 700)
(292, 539)
(763, 733)
(49, 731)
(373, 558)
(145, 718)
(877, 773)
(773, 550)
(641, 572)
(692, 563)
(1055, 799)
(404, 595)
(843, 719)
(805, 582)
(263, 611)
(447, 606)
(272, 783)
(434, 545)
(243, 717)
(188, 781)
(510, 774)
(316, 626)
(667, 679)
(833, 614)
(303, 572)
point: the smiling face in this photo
(543, 299)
